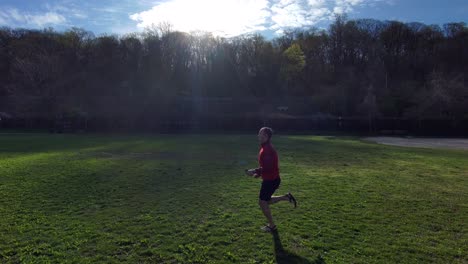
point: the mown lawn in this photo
(184, 199)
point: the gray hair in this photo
(268, 131)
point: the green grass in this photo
(184, 199)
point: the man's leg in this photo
(264, 205)
(275, 199)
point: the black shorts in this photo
(268, 188)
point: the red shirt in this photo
(268, 160)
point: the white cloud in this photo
(279, 32)
(80, 15)
(292, 15)
(49, 18)
(234, 17)
(3, 21)
(15, 18)
(69, 9)
(228, 17)
(15, 15)
(298, 13)
(110, 9)
(345, 6)
(316, 3)
(338, 10)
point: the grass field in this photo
(184, 199)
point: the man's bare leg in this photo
(264, 205)
(275, 199)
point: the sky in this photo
(225, 18)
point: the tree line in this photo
(363, 67)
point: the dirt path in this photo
(451, 143)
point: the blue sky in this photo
(223, 17)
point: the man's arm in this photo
(253, 172)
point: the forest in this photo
(367, 70)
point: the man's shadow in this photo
(285, 257)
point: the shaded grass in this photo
(183, 199)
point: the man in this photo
(269, 171)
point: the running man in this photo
(269, 171)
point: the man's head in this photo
(265, 134)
